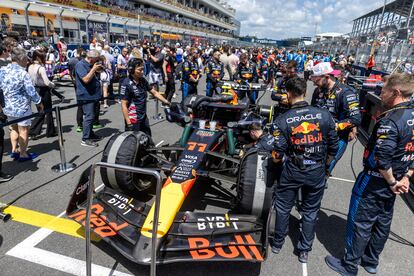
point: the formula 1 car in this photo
(207, 154)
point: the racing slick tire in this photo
(128, 148)
(255, 182)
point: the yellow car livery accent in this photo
(172, 198)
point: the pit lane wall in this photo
(80, 22)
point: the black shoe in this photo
(275, 249)
(369, 268)
(336, 265)
(89, 143)
(4, 177)
(303, 257)
(95, 137)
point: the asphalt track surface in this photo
(30, 248)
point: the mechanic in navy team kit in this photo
(246, 73)
(191, 74)
(280, 88)
(342, 102)
(214, 72)
(388, 166)
(305, 138)
(133, 94)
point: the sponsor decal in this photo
(204, 133)
(217, 222)
(409, 147)
(407, 158)
(305, 128)
(307, 139)
(82, 188)
(203, 249)
(304, 118)
(184, 169)
(122, 203)
(353, 106)
(99, 222)
(343, 126)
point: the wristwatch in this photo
(393, 183)
(407, 175)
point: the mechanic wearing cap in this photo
(191, 74)
(214, 72)
(341, 100)
(306, 139)
(388, 167)
(247, 73)
(133, 93)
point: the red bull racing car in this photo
(206, 154)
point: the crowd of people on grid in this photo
(143, 67)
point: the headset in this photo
(133, 63)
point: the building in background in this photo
(79, 21)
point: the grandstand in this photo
(387, 32)
(119, 20)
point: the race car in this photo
(123, 212)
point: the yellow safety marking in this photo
(42, 220)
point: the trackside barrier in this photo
(157, 115)
(91, 188)
(63, 166)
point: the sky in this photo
(278, 19)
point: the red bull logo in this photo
(216, 74)
(305, 128)
(308, 130)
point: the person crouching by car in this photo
(19, 92)
(88, 92)
(133, 93)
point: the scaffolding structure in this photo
(386, 32)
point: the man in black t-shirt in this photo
(156, 61)
(169, 69)
(133, 94)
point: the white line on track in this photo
(304, 269)
(27, 251)
(342, 179)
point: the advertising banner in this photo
(93, 7)
(6, 23)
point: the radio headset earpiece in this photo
(131, 66)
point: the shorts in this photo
(154, 78)
(105, 78)
(27, 122)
